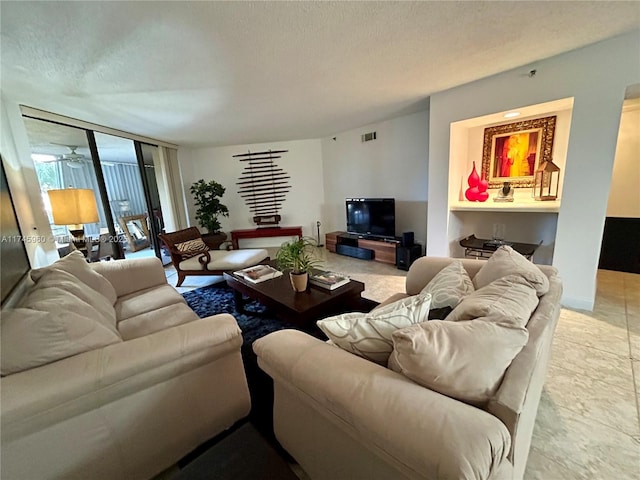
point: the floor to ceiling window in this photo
(63, 160)
(119, 171)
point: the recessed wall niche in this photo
(525, 219)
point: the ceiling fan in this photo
(74, 160)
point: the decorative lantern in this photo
(546, 181)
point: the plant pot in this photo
(214, 240)
(299, 281)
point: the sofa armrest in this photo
(516, 401)
(429, 434)
(130, 275)
(37, 398)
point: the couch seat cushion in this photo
(506, 261)
(50, 324)
(449, 286)
(227, 259)
(464, 360)
(76, 265)
(508, 300)
(156, 320)
(368, 335)
(146, 300)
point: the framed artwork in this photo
(512, 152)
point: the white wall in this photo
(24, 186)
(303, 204)
(596, 77)
(394, 165)
(624, 198)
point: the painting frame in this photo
(496, 162)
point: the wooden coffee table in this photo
(296, 307)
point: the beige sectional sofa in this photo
(343, 416)
(112, 380)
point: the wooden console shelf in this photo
(383, 251)
(237, 235)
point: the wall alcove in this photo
(525, 219)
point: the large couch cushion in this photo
(450, 286)
(506, 261)
(508, 300)
(54, 278)
(76, 265)
(146, 300)
(51, 324)
(156, 320)
(464, 360)
(227, 260)
(368, 335)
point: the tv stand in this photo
(358, 246)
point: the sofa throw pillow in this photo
(506, 261)
(50, 330)
(508, 300)
(449, 286)
(47, 289)
(463, 360)
(76, 265)
(368, 335)
(192, 248)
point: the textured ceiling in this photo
(219, 73)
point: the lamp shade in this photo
(73, 206)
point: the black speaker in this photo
(407, 239)
(405, 256)
(357, 252)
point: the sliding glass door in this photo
(125, 193)
(62, 159)
(121, 173)
(154, 184)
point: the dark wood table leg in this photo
(239, 300)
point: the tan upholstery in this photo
(227, 259)
(146, 300)
(156, 320)
(210, 262)
(133, 408)
(341, 416)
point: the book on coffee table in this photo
(258, 273)
(328, 280)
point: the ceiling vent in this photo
(368, 137)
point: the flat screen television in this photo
(371, 217)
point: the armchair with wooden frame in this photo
(191, 256)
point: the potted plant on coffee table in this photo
(298, 257)
(206, 197)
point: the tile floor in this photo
(588, 424)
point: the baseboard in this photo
(577, 303)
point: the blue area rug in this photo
(218, 298)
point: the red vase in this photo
(483, 184)
(472, 194)
(482, 189)
(473, 179)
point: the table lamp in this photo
(74, 207)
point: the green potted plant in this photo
(298, 257)
(207, 200)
